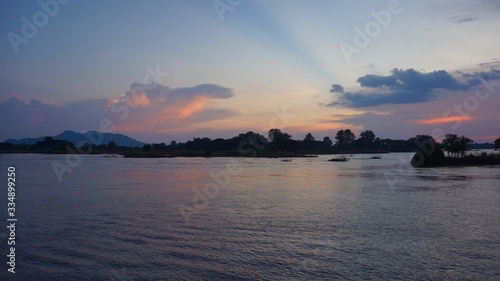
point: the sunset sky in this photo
(172, 70)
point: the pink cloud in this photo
(146, 108)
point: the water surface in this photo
(121, 219)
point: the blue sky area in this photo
(173, 70)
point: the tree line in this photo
(280, 141)
(244, 144)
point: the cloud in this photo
(373, 81)
(474, 78)
(462, 19)
(144, 108)
(493, 63)
(157, 108)
(336, 88)
(207, 90)
(410, 86)
(357, 100)
(35, 118)
(442, 120)
(411, 79)
(442, 115)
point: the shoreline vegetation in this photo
(430, 154)
(483, 159)
(278, 144)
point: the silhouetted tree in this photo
(327, 142)
(308, 143)
(24, 147)
(88, 147)
(367, 138)
(5, 146)
(455, 144)
(428, 153)
(497, 143)
(160, 147)
(146, 148)
(278, 135)
(344, 138)
(281, 141)
(449, 143)
(219, 145)
(173, 146)
(198, 144)
(256, 140)
(50, 145)
(464, 143)
(309, 137)
(112, 147)
(248, 143)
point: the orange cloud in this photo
(110, 102)
(445, 120)
(193, 106)
(141, 100)
(164, 109)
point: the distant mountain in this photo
(90, 137)
(28, 141)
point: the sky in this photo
(173, 70)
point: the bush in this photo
(428, 154)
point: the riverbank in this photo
(217, 154)
(439, 160)
(473, 160)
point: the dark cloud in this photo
(374, 81)
(410, 86)
(368, 100)
(462, 19)
(411, 79)
(336, 88)
(474, 78)
(157, 91)
(493, 63)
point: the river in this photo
(129, 219)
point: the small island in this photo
(430, 153)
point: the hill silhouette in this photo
(79, 138)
